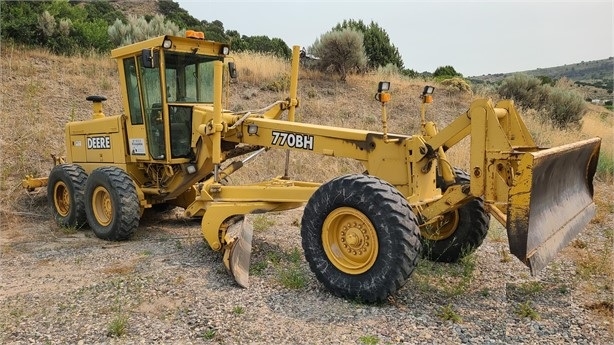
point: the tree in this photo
(103, 10)
(59, 25)
(446, 72)
(172, 12)
(341, 50)
(379, 50)
(19, 20)
(235, 41)
(264, 44)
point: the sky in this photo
(475, 37)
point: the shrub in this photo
(525, 90)
(457, 83)
(565, 107)
(343, 51)
(46, 24)
(560, 105)
(59, 25)
(138, 29)
(388, 70)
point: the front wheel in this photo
(112, 204)
(460, 232)
(360, 237)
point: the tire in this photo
(463, 232)
(381, 232)
(111, 204)
(65, 194)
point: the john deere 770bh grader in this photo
(362, 234)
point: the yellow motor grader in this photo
(362, 234)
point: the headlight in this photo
(252, 129)
(166, 44)
(383, 86)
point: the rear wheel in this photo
(112, 205)
(460, 232)
(65, 194)
(360, 237)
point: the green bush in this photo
(561, 106)
(59, 25)
(565, 107)
(525, 90)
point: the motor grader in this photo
(362, 234)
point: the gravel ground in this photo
(166, 286)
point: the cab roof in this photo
(180, 44)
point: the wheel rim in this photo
(61, 198)
(350, 240)
(442, 229)
(102, 206)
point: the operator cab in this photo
(164, 80)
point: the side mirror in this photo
(150, 58)
(232, 69)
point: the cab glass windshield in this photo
(189, 77)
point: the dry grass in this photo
(255, 68)
(40, 93)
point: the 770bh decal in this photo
(294, 140)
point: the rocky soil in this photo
(166, 286)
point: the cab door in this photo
(146, 130)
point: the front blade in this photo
(238, 253)
(551, 200)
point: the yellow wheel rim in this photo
(102, 206)
(443, 228)
(61, 198)
(350, 240)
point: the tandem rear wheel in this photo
(65, 195)
(111, 204)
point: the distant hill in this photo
(585, 71)
(593, 79)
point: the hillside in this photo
(581, 71)
(594, 79)
(62, 285)
(136, 8)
